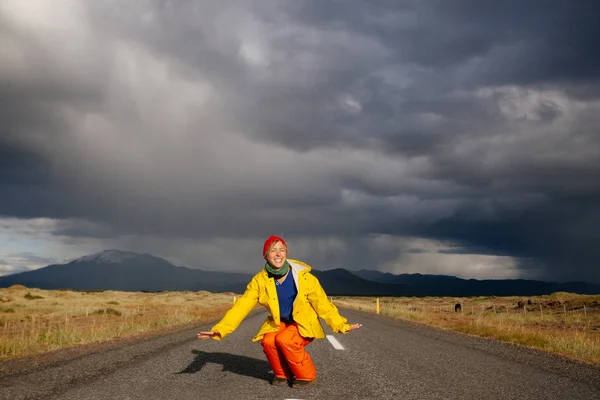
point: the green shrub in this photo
(30, 296)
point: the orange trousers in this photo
(286, 354)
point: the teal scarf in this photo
(277, 273)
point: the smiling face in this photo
(277, 254)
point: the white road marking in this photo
(335, 343)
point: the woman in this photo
(296, 300)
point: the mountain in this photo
(445, 285)
(126, 271)
(340, 282)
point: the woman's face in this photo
(277, 255)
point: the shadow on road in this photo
(241, 365)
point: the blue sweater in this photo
(286, 294)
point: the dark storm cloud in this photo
(509, 41)
(471, 123)
(21, 166)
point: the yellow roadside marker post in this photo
(377, 306)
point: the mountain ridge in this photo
(448, 285)
(128, 271)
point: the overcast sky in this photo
(451, 137)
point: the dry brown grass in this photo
(571, 328)
(34, 321)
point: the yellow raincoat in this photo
(311, 303)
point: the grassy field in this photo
(563, 323)
(34, 321)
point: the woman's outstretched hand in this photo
(207, 335)
(354, 326)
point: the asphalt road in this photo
(385, 359)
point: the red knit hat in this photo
(269, 241)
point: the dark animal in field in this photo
(457, 307)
